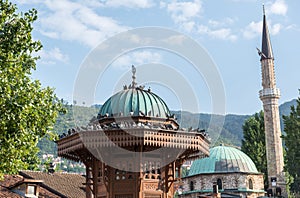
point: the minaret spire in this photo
(269, 96)
(266, 47)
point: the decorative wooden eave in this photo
(138, 119)
(194, 142)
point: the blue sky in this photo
(229, 30)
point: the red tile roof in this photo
(63, 184)
(11, 180)
(4, 192)
(55, 185)
(6, 183)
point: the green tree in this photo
(292, 147)
(27, 111)
(253, 143)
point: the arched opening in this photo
(192, 186)
(250, 183)
(220, 184)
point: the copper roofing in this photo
(223, 159)
(135, 101)
(266, 48)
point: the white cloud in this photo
(293, 27)
(109, 3)
(221, 33)
(279, 7)
(188, 26)
(224, 34)
(136, 58)
(162, 4)
(129, 3)
(52, 56)
(202, 29)
(254, 29)
(184, 11)
(176, 40)
(75, 21)
(186, 14)
(275, 29)
(224, 22)
(243, 1)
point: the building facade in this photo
(227, 168)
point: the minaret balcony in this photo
(269, 92)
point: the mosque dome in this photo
(135, 101)
(223, 159)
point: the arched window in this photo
(192, 186)
(220, 184)
(250, 183)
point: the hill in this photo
(229, 133)
(75, 116)
(285, 109)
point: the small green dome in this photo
(223, 159)
(135, 102)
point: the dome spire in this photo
(133, 70)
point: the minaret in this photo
(269, 96)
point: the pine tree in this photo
(253, 143)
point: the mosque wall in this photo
(203, 184)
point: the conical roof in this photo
(266, 47)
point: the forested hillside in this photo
(231, 132)
(75, 116)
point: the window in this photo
(31, 190)
(220, 184)
(250, 183)
(192, 187)
(117, 174)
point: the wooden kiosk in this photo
(134, 148)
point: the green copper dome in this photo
(135, 101)
(223, 159)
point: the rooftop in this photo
(54, 185)
(223, 159)
(134, 100)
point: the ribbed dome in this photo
(223, 159)
(135, 102)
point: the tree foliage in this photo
(27, 111)
(67, 121)
(254, 144)
(292, 146)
